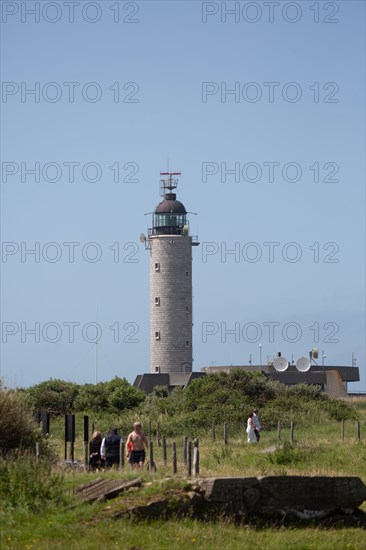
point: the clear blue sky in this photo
(158, 88)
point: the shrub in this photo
(337, 409)
(156, 404)
(53, 396)
(114, 396)
(92, 397)
(231, 396)
(121, 395)
(285, 455)
(18, 428)
(306, 391)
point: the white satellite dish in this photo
(303, 364)
(280, 364)
(142, 238)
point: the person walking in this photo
(135, 447)
(250, 429)
(110, 448)
(257, 424)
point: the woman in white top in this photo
(252, 438)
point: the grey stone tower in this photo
(170, 248)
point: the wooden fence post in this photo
(185, 449)
(70, 434)
(342, 430)
(213, 431)
(158, 435)
(358, 431)
(279, 430)
(292, 426)
(121, 454)
(164, 452)
(225, 433)
(151, 457)
(196, 458)
(45, 422)
(174, 457)
(86, 441)
(189, 460)
(86, 454)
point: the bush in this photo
(53, 396)
(229, 397)
(159, 403)
(289, 454)
(92, 397)
(121, 395)
(337, 409)
(18, 428)
(306, 391)
(114, 396)
(303, 405)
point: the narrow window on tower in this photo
(157, 301)
(187, 309)
(157, 267)
(187, 273)
(187, 343)
(157, 335)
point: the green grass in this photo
(85, 528)
(317, 450)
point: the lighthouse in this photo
(170, 245)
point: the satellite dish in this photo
(315, 353)
(280, 364)
(185, 229)
(142, 238)
(303, 364)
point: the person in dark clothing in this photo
(110, 448)
(94, 451)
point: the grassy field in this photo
(318, 449)
(86, 528)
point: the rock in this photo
(318, 493)
(304, 496)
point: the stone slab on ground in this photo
(105, 488)
(273, 494)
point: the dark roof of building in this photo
(169, 206)
(148, 381)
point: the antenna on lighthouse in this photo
(168, 183)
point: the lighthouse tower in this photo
(170, 248)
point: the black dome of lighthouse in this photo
(170, 216)
(170, 206)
